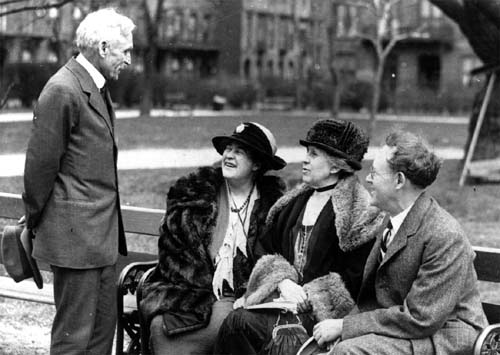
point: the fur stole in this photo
(328, 294)
(182, 281)
(355, 220)
(356, 223)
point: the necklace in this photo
(243, 208)
(237, 209)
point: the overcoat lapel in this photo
(89, 87)
(408, 228)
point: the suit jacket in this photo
(71, 189)
(425, 288)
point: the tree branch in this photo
(6, 95)
(33, 7)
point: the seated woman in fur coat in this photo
(318, 239)
(208, 241)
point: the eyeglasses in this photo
(373, 173)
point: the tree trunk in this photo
(335, 92)
(488, 144)
(377, 87)
(479, 22)
(149, 56)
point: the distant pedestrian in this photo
(71, 189)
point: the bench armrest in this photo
(488, 341)
(128, 318)
(144, 329)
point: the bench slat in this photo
(135, 219)
(487, 264)
(120, 264)
(492, 312)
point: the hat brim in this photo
(27, 242)
(356, 165)
(16, 248)
(273, 162)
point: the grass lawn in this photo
(152, 132)
(477, 207)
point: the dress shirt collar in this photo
(96, 76)
(398, 219)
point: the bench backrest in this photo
(141, 221)
(146, 221)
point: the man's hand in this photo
(327, 331)
(290, 291)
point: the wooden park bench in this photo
(277, 103)
(138, 221)
(177, 101)
(137, 266)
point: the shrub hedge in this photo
(315, 94)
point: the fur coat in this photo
(340, 243)
(180, 288)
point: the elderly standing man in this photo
(419, 291)
(71, 189)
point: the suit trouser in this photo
(373, 344)
(85, 318)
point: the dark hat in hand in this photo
(339, 138)
(255, 137)
(16, 248)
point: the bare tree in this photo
(380, 29)
(9, 7)
(153, 16)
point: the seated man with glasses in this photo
(419, 291)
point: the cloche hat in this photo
(339, 138)
(257, 138)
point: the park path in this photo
(13, 164)
(158, 158)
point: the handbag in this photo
(286, 338)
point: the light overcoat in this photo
(425, 288)
(71, 192)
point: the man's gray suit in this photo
(71, 197)
(423, 290)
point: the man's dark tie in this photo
(385, 237)
(104, 94)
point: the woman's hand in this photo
(290, 291)
(327, 331)
(239, 303)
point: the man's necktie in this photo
(386, 237)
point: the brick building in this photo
(286, 39)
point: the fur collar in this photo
(200, 188)
(355, 220)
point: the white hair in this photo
(105, 24)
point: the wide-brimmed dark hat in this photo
(255, 137)
(339, 138)
(16, 248)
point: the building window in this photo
(207, 28)
(249, 29)
(173, 21)
(271, 28)
(429, 72)
(246, 68)
(191, 27)
(270, 67)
